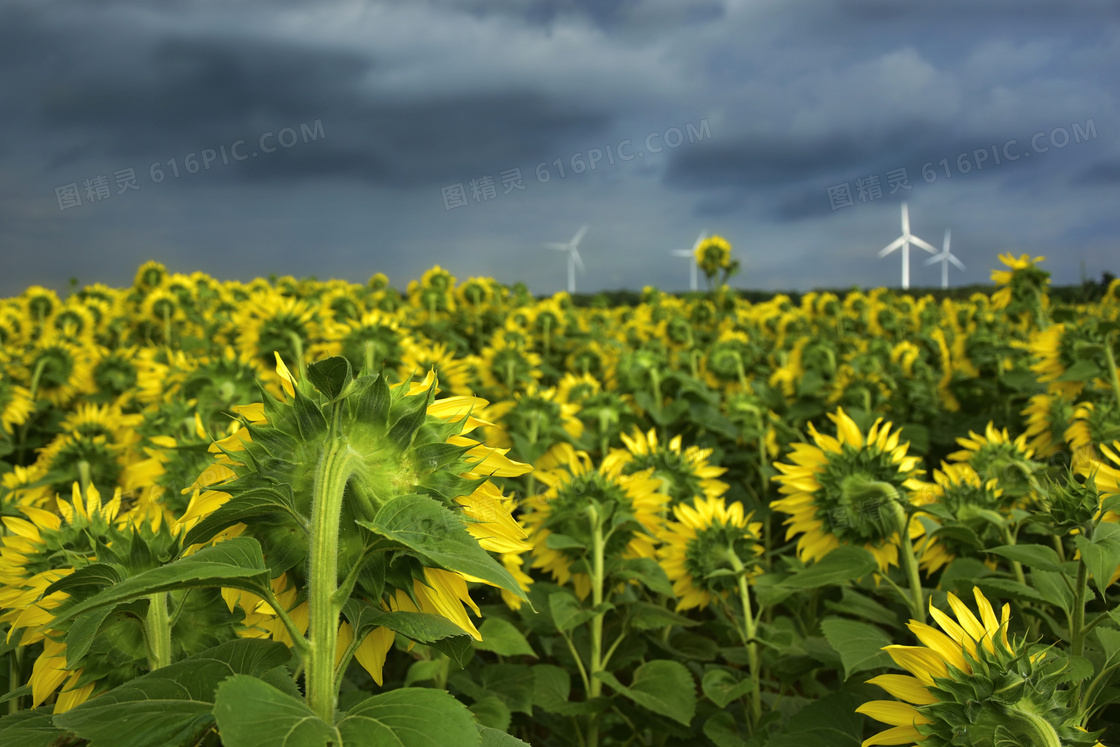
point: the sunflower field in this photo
(293, 512)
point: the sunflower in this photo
(435, 292)
(713, 257)
(697, 545)
(1092, 424)
(39, 304)
(114, 373)
(957, 497)
(149, 276)
(844, 490)
(685, 474)
(433, 461)
(505, 367)
(995, 455)
(58, 369)
(1022, 287)
(453, 372)
(562, 510)
(16, 405)
(368, 341)
(972, 685)
(1048, 416)
(274, 324)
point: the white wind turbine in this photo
(693, 279)
(945, 258)
(572, 248)
(904, 241)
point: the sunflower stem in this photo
(157, 626)
(1015, 564)
(1077, 618)
(910, 565)
(598, 544)
(1112, 374)
(748, 635)
(83, 480)
(326, 510)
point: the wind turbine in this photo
(904, 241)
(945, 258)
(693, 280)
(572, 248)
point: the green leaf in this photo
(81, 634)
(1101, 555)
(647, 616)
(416, 626)
(496, 738)
(1034, 556)
(831, 721)
(1002, 588)
(170, 706)
(503, 638)
(856, 604)
(513, 683)
(649, 572)
(404, 430)
(567, 612)
(552, 686)
(1083, 370)
(253, 713)
(411, 717)
(439, 538)
(1054, 589)
(92, 576)
(859, 644)
(722, 729)
(721, 687)
(492, 712)
(236, 563)
(31, 729)
(248, 505)
(663, 686)
(330, 376)
(558, 541)
(845, 563)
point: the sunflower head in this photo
(685, 473)
(958, 497)
(970, 684)
(995, 455)
(698, 546)
(1022, 287)
(848, 489)
(561, 521)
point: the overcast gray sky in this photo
(339, 138)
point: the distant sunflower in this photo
(995, 455)
(273, 324)
(1092, 424)
(418, 358)
(971, 685)
(959, 497)
(685, 473)
(58, 369)
(697, 545)
(368, 341)
(1048, 416)
(562, 510)
(16, 405)
(846, 490)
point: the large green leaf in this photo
(30, 729)
(439, 538)
(494, 738)
(236, 563)
(330, 376)
(859, 644)
(260, 501)
(845, 563)
(663, 686)
(252, 713)
(722, 687)
(1101, 555)
(170, 706)
(503, 638)
(1033, 556)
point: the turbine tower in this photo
(574, 260)
(904, 241)
(945, 258)
(693, 279)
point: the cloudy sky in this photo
(339, 138)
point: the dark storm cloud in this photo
(169, 96)
(1102, 172)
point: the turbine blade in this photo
(579, 236)
(892, 246)
(935, 260)
(945, 244)
(700, 239)
(955, 261)
(905, 220)
(923, 244)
